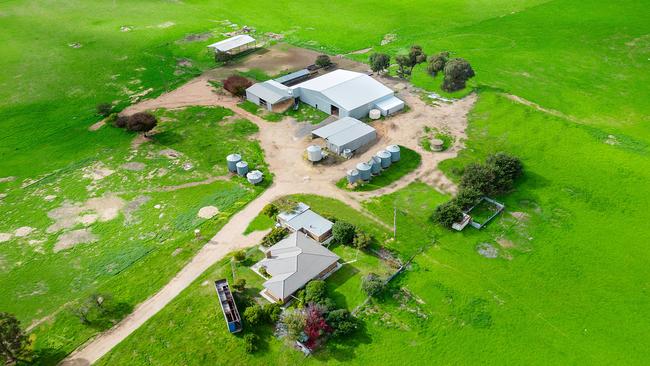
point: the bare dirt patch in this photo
(70, 214)
(487, 250)
(23, 231)
(505, 243)
(198, 37)
(72, 238)
(208, 212)
(5, 237)
(7, 179)
(97, 171)
(133, 166)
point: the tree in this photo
(237, 85)
(467, 197)
(404, 63)
(372, 284)
(416, 56)
(457, 72)
(379, 62)
(263, 271)
(250, 342)
(121, 121)
(437, 63)
(104, 109)
(270, 210)
(275, 235)
(479, 177)
(361, 239)
(343, 233)
(508, 166)
(315, 324)
(14, 343)
(272, 312)
(447, 214)
(240, 255)
(254, 314)
(141, 122)
(293, 322)
(342, 322)
(323, 61)
(315, 291)
(239, 285)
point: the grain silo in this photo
(242, 168)
(314, 153)
(232, 160)
(385, 158)
(364, 171)
(255, 177)
(394, 152)
(375, 165)
(353, 176)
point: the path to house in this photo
(292, 174)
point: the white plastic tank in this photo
(242, 168)
(375, 165)
(314, 153)
(394, 152)
(232, 160)
(353, 176)
(385, 158)
(374, 114)
(255, 177)
(365, 172)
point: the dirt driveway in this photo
(284, 154)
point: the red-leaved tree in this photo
(315, 325)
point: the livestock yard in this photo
(130, 236)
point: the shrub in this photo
(457, 72)
(237, 85)
(270, 210)
(447, 214)
(372, 284)
(121, 121)
(343, 233)
(293, 322)
(272, 312)
(141, 122)
(323, 61)
(404, 63)
(379, 62)
(239, 285)
(286, 205)
(263, 271)
(361, 239)
(275, 235)
(342, 322)
(250, 342)
(254, 314)
(467, 197)
(240, 255)
(315, 291)
(104, 109)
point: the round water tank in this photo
(437, 144)
(364, 171)
(232, 160)
(385, 158)
(353, 176)
(314, 153)
(394, 152)
(255, 177)
(242, 168)
(374, 114)
(375, 165)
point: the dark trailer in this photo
(228, 306)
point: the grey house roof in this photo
(347, 89)
(293, 262)
(271, 91)
(343, 131)
(232, 42)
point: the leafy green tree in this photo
(273, 312)
(250, 342)
(270, 210)
(437, 63)
(239, 255)
(239, 285)
(467, 197)
(315, 291)
(141, 122)
(343, 233)
(14, 343)
(275, 235)
(457, 72)
(379, 62)
(447, 214)
(254, 314)
(323, 61)
(508, 166)
(479, 177)
(372, 284)
(361, 239)
(404, 66)
(416, 56)
(264, 272)
(342, 322)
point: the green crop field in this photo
(568, 285)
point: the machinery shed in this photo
(346, 133)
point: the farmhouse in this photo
(303, 219)
(271, 95)
(346, 134)
(340, 93)
(292, 263)
(234, 45)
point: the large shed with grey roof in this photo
(292, 263)
(346, 133)
(271, 95)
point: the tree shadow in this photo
(344, 348)
(168, 138)
(45, 357)
(337, 279)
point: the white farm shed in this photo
(346, 133)
(234, 44)
(347, 93)
(271, 95)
